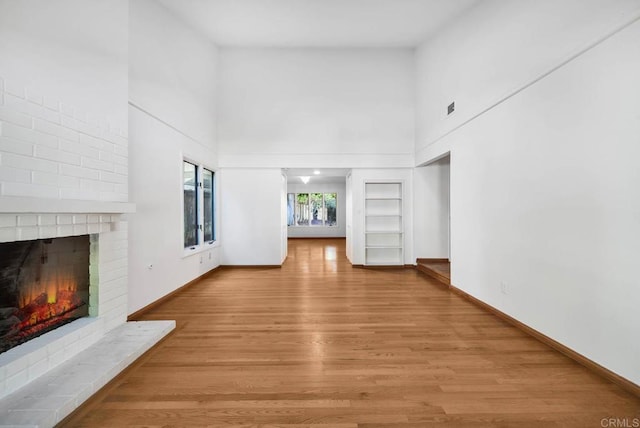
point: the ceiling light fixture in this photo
(305, 179)
(316, 172)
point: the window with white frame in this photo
(312, 209)
(198, 205)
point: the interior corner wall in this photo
(171, 117)
(431, 210)
(251, 216)
(544, 185)
(338, 231)
(316, 108)
(496, 48)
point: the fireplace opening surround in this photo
(44, 284)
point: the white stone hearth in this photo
(49, 399)
(30, 360)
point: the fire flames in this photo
(53, 303)
(42, 311)
(44, 284)
(51, 287)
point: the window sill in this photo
(316, 226)
(199, 249)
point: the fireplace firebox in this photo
(43, 285)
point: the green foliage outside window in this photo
(312, 209)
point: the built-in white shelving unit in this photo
(384, 240)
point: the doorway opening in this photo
(315, 203)
(432, 227)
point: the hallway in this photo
(319, 343)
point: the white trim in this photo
(191, 251)
(164, 122)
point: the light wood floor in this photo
(318, 343)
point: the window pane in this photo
(302, 209)
(291, 209)
(330, 206)
(317, 213)
(207, 188)
(190, 178)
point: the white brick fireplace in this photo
(108, 291)
(64, 172)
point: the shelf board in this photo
(382, 199)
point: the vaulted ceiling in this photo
(318, 23)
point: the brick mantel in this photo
(21, 205)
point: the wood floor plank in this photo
(318, 343)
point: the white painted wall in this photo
(313, 231)
(358, 178)
(431, 209)
(172, 115)
(69, 51)
(316, 107)
(251, 216)
(155, 232)
(544, 185)
(495, 49)
(172, 71)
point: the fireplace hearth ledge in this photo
(51, 397)
(49, 351)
